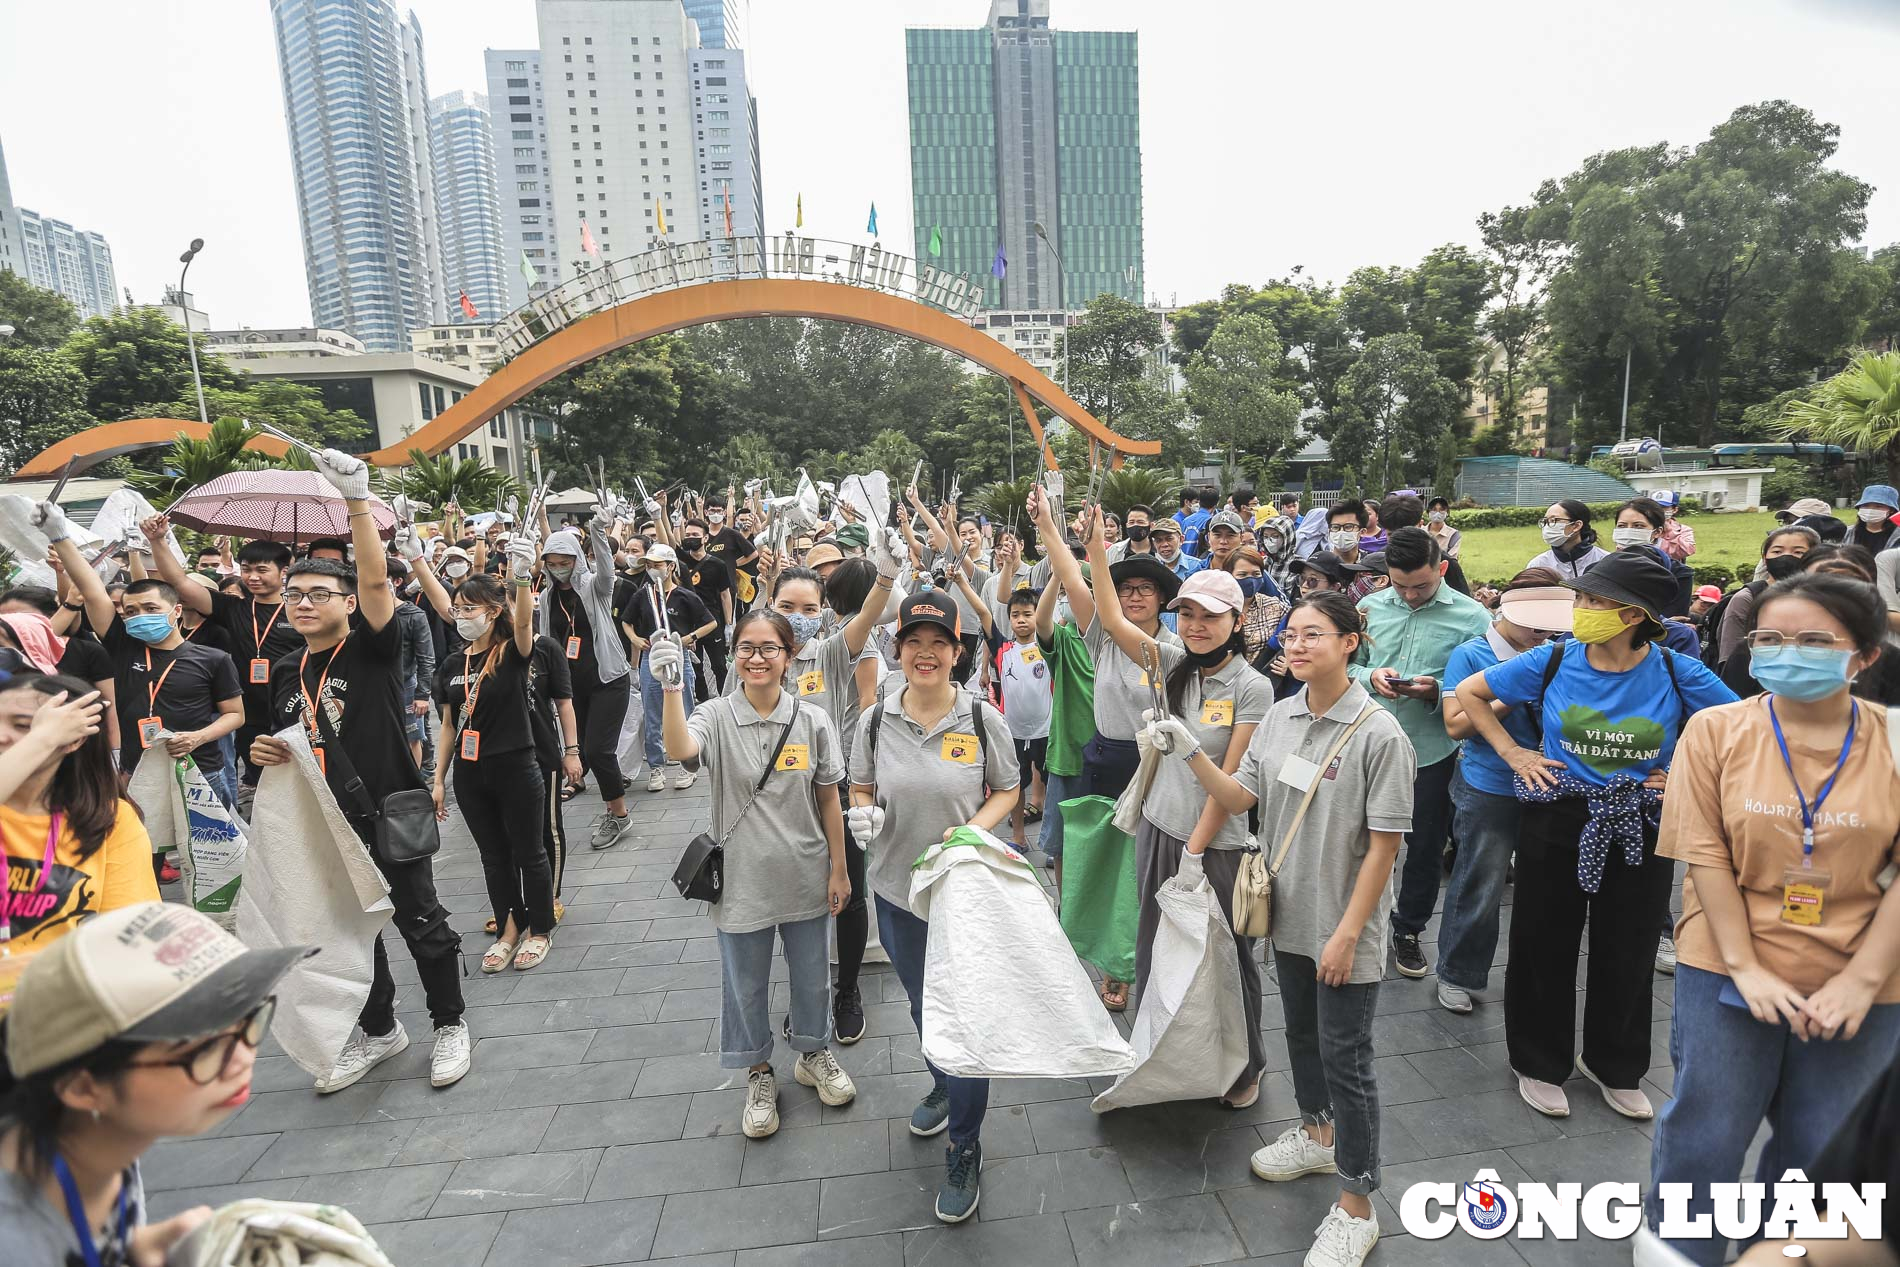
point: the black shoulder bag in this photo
(405, 827)
(701, 873)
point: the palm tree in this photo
(469, 482)
(193, 462)
(1003, 502)
(1858, 409)
(1132, 486)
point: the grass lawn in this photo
(1497, 554)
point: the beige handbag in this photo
(1253, 886)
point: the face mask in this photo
(1136, 532)
(1783, 566)
(1437, 516)
(1797, 675)
(1594, 625)
(1064, 613)
(1343, 539)
(455, 571)
(149, 628)
(1874, 514)
(804, 627)
(560, 572)
(1556, 534)
(693, 545)
(716, 516)
(1252, 585)
(1627, 537)
(472, 627)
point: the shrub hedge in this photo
(1601, 513)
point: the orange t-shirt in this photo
(1730, 804)
(119, 873)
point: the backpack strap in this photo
(1536, 706)
(1675, 683)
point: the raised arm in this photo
(60, 530)
(171, 571)
(857, 630)
(1108, 607)
(603, 577)
(375, 602)
(1055, 548)
(1046, 609)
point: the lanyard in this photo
(76, 1211)
(309, 705)
(472, 689)
(153, 688)
(257, 639)
(46, 870)
(1809, 811)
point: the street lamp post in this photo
(191, 341)
(1062, 299)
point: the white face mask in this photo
(1627, 537)
(1343, 539)
(1556, 534)
(1437, 516)
(1874, 514)
(472, 627)
(455, 570)
(1064, 614)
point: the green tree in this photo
(1395, 410)
(40, 318)
(1520, 268)
(42, 401)
(617, 407)
(752, 456)
(136, 364)
(189, 463)
(436, 481)
(1231, 388)
(1112, 352)
(1859, 408)
(1883, 323)
(296, 408)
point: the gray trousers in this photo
(1157, 859)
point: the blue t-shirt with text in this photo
(1480, 764)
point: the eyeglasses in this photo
(758, 651)
(1809, 644)
(1311, 584)
(1140, 589)
(1307, 637)
(1556, 523)
(463, 613)
(318, 597)
(207, 1062)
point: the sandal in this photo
(497, 956)
(489, 927)
(572, 790)
(1032, 814)
(1115, 995)
(534, 948)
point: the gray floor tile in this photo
(176, 1163)
(660, 1038)
(592, 983)
(862, 1251)
(740, 1218)
(1490, 1119)
(1049, 1183)
(162, 1205)
(600, 1232)
(1178, 1230)
(1189, 1162)
(657, 1169)
(417, 1097)
(518, 1181)
(532, 1051)
(639, 1121)
(985, 1242)
(380, 1196)
(699, 1071)
(331, 1149)
(891, 1201)
(461, 1136)
(1586, 1159)
(571, 1084)
(717, 1112)
(294, 1110)
(818, 1152)
(457, 1240)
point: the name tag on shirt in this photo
(959, 748)
(1031, 655)
(260, 672)
(1298, 773)
(796, 756)
(1217, 712)
(574, 647)
(148, 730)
(471, 745)
(812, 683)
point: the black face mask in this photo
(693, 545)
(1136, 532)
(1783, 566)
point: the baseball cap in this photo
(1164, 524)
(1803, 508)
(1545, 608)
(1213, 589)
(1375, 562)
(852, 537)
(822, 553)
(1635, 578)
(1331, 566)
(1666, 497)
(1709, 594)
(929, 607)
(660, 552)
(152, 972)
(1227, 519)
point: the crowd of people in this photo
(1319, 698)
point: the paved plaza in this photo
(598, 1128)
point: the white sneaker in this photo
(1452, 999)
(761, 1105)
(656, 780)
(1650, 1250)
(450, 1059)
(1343, 1241)
(1294, 1154)
(684, 779)
(1666, 956)
(360, 1055)
(820, 1070)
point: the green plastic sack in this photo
(1100, 903)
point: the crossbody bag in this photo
(701, 873)
(1253, 886)
(404, 824)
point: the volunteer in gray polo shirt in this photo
(1214, 692)
(1332, 898)
(928, 759)
(785, 873)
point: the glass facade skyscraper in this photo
(468, 207)
(1017, 124)
(721, 22)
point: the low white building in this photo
(473, 347)
(1717, 488)
(246, 345)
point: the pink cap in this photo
(1709, 594)
(1213, 589)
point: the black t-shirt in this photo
(729, 545)
(501, 699)
(708, 577)
(85, 659)
(358, 684)
(214, 636)
(684, 612)
(248, 621)
(191, 681)
(564, 615)
(548, 680)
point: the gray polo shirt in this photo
(1367, 788)
(979, 577)
(1212, 706)
(778, 863)
(1121, 685)
(928, 781)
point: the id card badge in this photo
(1217, 712)
(574, 647)
(1032, 655)
(471, 745)
(1298, 773)
(260, 672)
(959, 748)
(812, 683)
(322, 765)
(148, 730)
(795, 756)
(1803, 895)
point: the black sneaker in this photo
(847, 1015)
(1410, 959)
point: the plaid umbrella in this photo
(294, 507)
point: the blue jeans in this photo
(1424, 847)
(223, 781)
(1468, 934)
(652, 697)
(745, 990)
(1057, 788)
(904, 937)
(1329, 1049)
(1732, 1072)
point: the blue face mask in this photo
(1252, 585)
(1800, 675)
(804, 627)
(149, 628)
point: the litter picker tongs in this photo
(1051, 480)
(1098, 476)
(1151, 663)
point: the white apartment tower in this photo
(520, 128)
(12, 242)
(474, 261)
(75, 262)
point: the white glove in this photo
(136, 543)
(408, 542)
(521, 556)
(665, 656)
(52, 521)
(1171, 737)
(1190, 872)
(348, 475)
(865, 822)
(1144, 734)
(887, 551)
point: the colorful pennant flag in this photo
(587, 240)
(468, 308)
(871, 228)
(659, 210)
(1000, 265)
(801, 212)
(936, 239)
(528, 272)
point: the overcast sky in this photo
(1275, 132)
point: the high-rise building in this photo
(1017, 124)
(520, 126)
(725, 145)
(356, 108)
(468, 208)
(75, 262)
(721, 22)
(12, 246)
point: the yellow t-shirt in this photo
(1730, 804)
(119, 873)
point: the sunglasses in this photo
(209, 1060)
